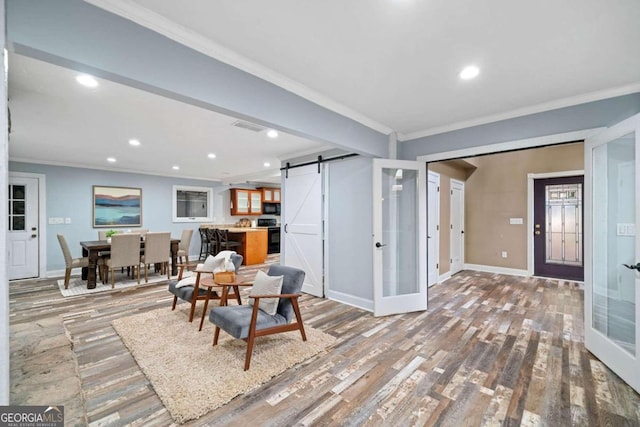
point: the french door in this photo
(399, 236)
(612, 249)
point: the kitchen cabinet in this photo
(270, 195)
(245, 201)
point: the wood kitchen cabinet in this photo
(246, 201)
(270, 195)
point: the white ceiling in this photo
(390, 64)
(393, 64)
(57, 121)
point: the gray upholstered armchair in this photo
(247, 322)
(188, 289)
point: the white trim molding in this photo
(520, 112)
(497, 270)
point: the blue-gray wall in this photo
(578, 117)
(69, 194)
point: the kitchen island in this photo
(253, 242)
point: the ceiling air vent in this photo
(248, 125)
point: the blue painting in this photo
(117, 206)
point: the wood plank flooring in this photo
(491, 350)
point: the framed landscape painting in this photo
(117, 206)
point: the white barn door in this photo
(303, 240)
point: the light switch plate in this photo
(515, 221)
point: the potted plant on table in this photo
(109, 234)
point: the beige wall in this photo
(497, 191)
(447, 171)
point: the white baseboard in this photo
(351, 300)
(444, 277)
(497, 270)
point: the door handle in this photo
(633, 267)
(34, 235)
(379, 245)
(537, 232)
(285, 228)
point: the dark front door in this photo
(558, 236)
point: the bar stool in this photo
(204, 244)
(224, 244)
(214, 241)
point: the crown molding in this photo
(158, 23)
(539, 108)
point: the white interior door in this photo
(303, 245)
(23, 240)
(612, 300)
(457, 226)
(433, 227)
(399, 237)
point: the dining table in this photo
(92, 249)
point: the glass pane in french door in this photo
(399, 216)
(614, 285)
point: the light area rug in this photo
(78, 286)
(191, 376)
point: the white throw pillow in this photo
(264, 284)
(187, 281)
(212, 264)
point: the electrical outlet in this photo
(504, 254)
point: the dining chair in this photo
(70, 262)
(156, 251)
(184, 245)
(125, 252)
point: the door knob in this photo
(537, 232)
(34, 235)
(633, 267)
(379, 245)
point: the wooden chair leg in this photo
(216, 334)
(113, 275)
(252, 336)
(146, 274)
(193, 308)
(67, 277)
(166, 267)
(175, 301)
(138, 271)
(296, 310)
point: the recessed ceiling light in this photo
(175, 168)
(111, 159)
(469, 72)
(272, 133)
(134, 142)
(267, 164)
(211, 156)
(87, 80)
